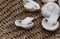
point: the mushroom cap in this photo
(49, 8)
(32, 6)
(48, 26)
(46, 1)
(18, 23)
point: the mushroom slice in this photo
(51, 23)
(31, 5)
(49, 8)
(46, 1)
(26, 23)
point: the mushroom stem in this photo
(53, 19)
(27, 20)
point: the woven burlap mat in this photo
(11, 10)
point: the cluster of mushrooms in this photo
(50, 12)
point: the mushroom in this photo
(49, 9)
(31, 5)
(46, 1)
(26, 23)
(51, 23)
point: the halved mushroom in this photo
(51, 23)
(46, 1)
(31, 5)
(26, 23)
(49, 9)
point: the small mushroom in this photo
(49, 9)
(26, 23)
(46, 1)
(51, 23)
(31, 5)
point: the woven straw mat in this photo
(11, 10)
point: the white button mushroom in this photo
(26, 23)
(51, 23)
(46, 1)
(49, 8)
(31, 5)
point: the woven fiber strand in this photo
(11, 10)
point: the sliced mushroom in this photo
(31, 5)
(26, 23)
(51, 23)
(46, 1)
(49, 9)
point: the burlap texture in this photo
(11, 10)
